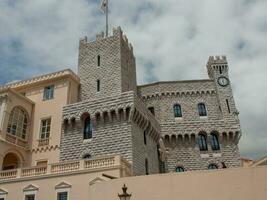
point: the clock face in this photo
(223, 81)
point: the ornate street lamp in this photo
(124, 195)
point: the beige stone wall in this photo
(76, 177)
(229, 184)
(49, 109)
(29, 95)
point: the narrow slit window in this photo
(98, 60)
(220, 69)
(146, 167)
(98, 85)
(145, 134)
(228, 106)
(88, 128)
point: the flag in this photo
(104, 5)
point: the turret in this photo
(218, 71)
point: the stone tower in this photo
(106, 66)
(110, 119)
(217, 67)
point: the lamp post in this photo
(124, 195)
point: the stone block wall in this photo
(142, 151)
(180, 134)
(119, 123)
(116, 72)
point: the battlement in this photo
(217, 60)
(116, 32)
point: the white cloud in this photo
(173, 37)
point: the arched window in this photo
(202, 109)
(18, 122)
(212, 166)
(215, 145)
(202, 142)
(87, 131)
(179, 169)
(177, 110)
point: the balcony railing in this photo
(101, 163)
(43, 142)
(15, 140)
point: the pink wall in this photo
(228, 184)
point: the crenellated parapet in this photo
(217, 63)
(116, 32)
(177, 89)
(126, 107)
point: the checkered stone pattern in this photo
(180, 134)
(116, 72)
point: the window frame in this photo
(202, 142)
(61, 192)
(15, 126)
(200, 110)
(49, 92)
(46, 128)
(29, 194)
(177, 111)
(214, 142)
(64, 188)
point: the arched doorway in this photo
(10, 161)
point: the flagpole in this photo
(107, 19)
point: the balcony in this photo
(90, 165)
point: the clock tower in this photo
(217, 67)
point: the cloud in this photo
(172, 40)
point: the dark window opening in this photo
(62, 196)
(87, 132)
(152, 110)
(48, 92)
(212, 166)
(202, 142)
(145, 133)
(98, 60)
(215, 145)
(220, 69)
(228, 106)
(98, 85)
(30, 197)
(177, 110)
(146, 166)
(87, 156)
(179, 169)
(202, 109)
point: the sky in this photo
(172, 40)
